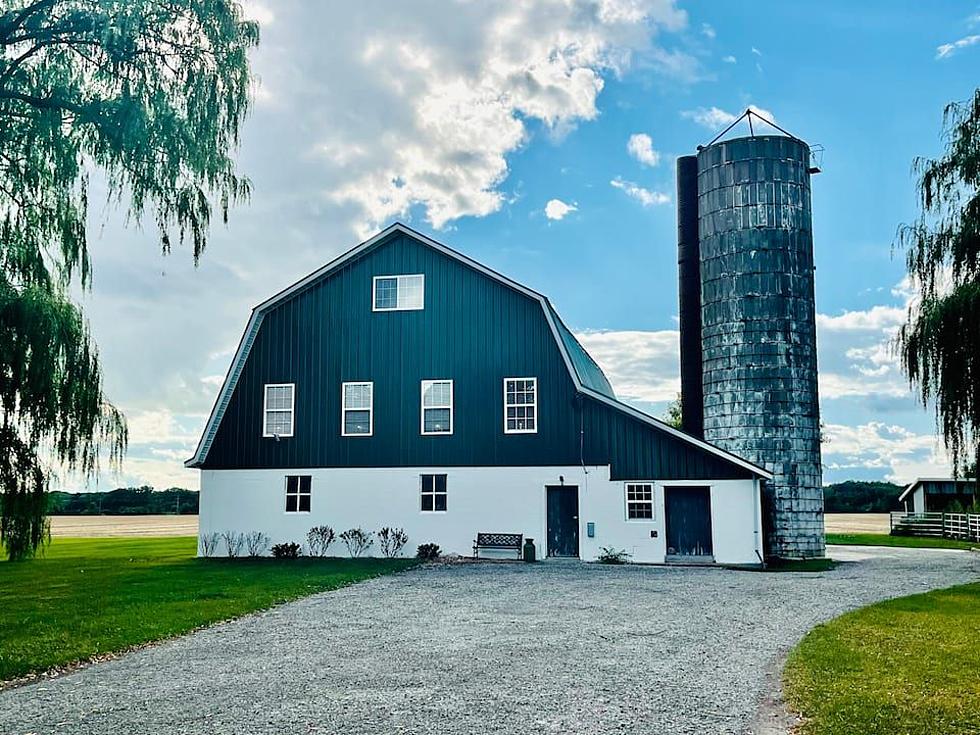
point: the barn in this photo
(406, 385)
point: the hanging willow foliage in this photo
(153, 93)
(940, 343)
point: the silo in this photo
(758, 335)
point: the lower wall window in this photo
(639, 501)
(434, 494)
(298, 493)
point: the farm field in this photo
(109, 526)
(856, 523)
(86, 598)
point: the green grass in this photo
(882, 539)
(87, 597)
(906, 666)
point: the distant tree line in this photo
(854, 496)
(125, 501)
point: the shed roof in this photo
(920, 480)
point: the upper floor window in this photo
(520, 405)
(399, 293)
(639, 501)
(437, 407)
(298, 493)
(358, 409)
(278, 409)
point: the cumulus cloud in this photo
(715, 118)
(556, 209)
(646, 197)
(640, 146)
(900, 454)
(708, 30)
(642, 366)
(878, 318)
(729, 59)
(948, 49)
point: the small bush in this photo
(357, 541)
(209, 543)
(256, 543)
(609, 555)
(318, 540)
(393, 540)
(233, 542)
(428, 552)
(286, 551)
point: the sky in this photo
(540, 139)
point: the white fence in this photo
(964, 526)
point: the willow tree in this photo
(940, 343)
(151, 94)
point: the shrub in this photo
(286, 551)
(318, 540)
(357, 540)
(209, 543)
(428, 552)
(393, 540)
(256, 543)
(233, 541)
(609, 555)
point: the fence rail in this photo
(965, 526)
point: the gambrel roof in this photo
(585, 373)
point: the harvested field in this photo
(856, 523)
(104, 526)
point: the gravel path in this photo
(488, 648)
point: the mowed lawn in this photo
(86, 597)
(882, 539)
(906, 666)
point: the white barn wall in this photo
(501, 499)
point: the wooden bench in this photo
(508, 541)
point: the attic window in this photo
(278, 410)
(399, 293)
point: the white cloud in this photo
(258, 11)
(708, 30)
(646, 197)
(642, 366)
(878, 318)
(715, 118)
(729, 59)
(640, 146)
(556, 209)
(901, 454)
(948, 49)
(756, 51)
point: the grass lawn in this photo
(87, 597)
(904, 666)
(883, 539)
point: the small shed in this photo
(937, 494)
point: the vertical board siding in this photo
(473, 330)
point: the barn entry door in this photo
(562, 520)
(688, 518)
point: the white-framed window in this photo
(520, 405)
(639, 501)
(357, 413)
(278, 409)
(437, 407)
(298, 493)
(398, 293)
(434, 495)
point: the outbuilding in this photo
(406, 385)
(938, 494)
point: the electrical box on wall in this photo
(590, 529)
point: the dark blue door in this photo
(688, 518)
(563, 520)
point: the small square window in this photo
(399, 293)
(298, 493)
(639, 501)
(434, 495)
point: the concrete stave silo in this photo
(757, 347)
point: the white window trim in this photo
(433, 494)
(399, 277)
(653, 501)
(285, 487)
(344, 409)
(292, 409)
(533, 405)
(423, 407)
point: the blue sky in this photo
(466, 119)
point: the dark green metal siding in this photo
(473, 330)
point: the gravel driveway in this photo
(487, 648)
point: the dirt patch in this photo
(857, 523)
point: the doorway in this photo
(688, 520)
(562, 520)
